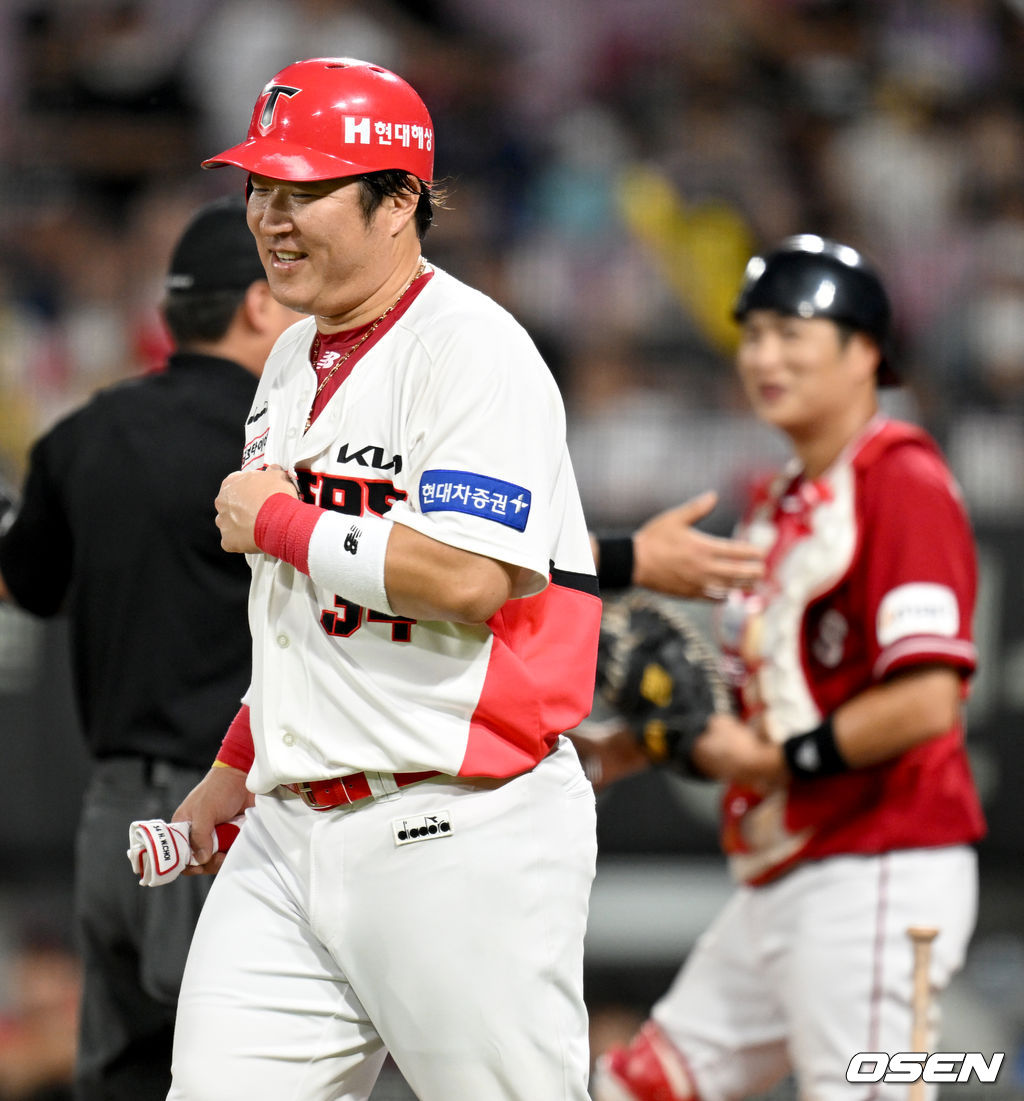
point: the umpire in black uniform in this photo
(115, 527)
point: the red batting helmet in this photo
(329, 117)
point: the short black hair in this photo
(200, 317)
(377, 186)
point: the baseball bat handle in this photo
(921, 936)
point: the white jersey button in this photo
(283, 641)
(288, 738)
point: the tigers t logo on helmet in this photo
(272, 91)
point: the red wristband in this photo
(283, 529)
(236, 749)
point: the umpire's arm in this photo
(36, 541)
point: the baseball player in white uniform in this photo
(849, 813)
(413, 875)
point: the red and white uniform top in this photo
(871, 569)
(447, 421)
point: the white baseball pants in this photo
(803, 973)
(325, 944)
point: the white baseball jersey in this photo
(451, 424)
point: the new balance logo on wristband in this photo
(808, 757)
(351, 543)
(814, 753)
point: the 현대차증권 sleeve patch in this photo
(476, 495)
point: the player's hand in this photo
(734, 752)
(217, 798)
(671, 556)
(607, 753)
(240, 499)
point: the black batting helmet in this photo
(812, 276)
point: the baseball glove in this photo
(659, 675)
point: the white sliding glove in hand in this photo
(159, 851)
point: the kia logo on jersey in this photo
(370, 455)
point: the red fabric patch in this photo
(539, 682)
(224, 834)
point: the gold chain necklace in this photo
(420, 269)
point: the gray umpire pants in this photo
(132, 940)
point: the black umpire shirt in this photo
(116, 528)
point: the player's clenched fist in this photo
(240, 499)
(735, 752)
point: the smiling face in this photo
(807, 377)
(321, 252)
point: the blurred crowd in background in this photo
(610, 166)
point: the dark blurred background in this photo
(610, 164)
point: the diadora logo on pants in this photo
(422, 827)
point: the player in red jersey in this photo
(849, 812)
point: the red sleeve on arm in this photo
(283, 528)
(236, 749)
(921, 536)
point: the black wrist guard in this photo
(814, 753)
(615, 561)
